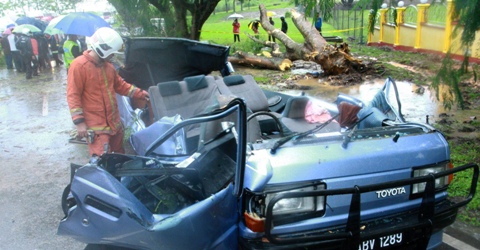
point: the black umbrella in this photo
(33, 21)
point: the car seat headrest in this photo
(196, 82)
(233, 80)
(169, 88)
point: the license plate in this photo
(382, 242)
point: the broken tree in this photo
(334, 60)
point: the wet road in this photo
(34, 132)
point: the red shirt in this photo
(34, 46)
(236, 28)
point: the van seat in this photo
(186, 98)
(245, 87)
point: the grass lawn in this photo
(218, 29)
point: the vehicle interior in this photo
(201, 156)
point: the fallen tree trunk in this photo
(245, 59)
(334, 60)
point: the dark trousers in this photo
(270, 38)
(9, 61)
(236, 37)
(56, 57)
(18, 61)
(43, 62)
(30, 60)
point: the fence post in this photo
(361, 29)
(422, 8)
(400, 12)
(383, 13)
(448, 26)
(370, 23)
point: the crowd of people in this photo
(32, 53)
(91, 78)
(254, 25)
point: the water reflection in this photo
(416, 104)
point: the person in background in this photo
(236, 30)
(270, 37)
(54, 42)
(83, 43)
(255, 28)
(6, 50)
(43, 53)
(17, 58)
(92, 82)
(284, 25)
(318, 25)
(25, 48)
(71, 50)
(35, 54)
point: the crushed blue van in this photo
(221, 164)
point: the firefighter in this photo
(92, 84)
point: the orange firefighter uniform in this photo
(91, 98)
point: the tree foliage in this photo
(183, 18)
(314, 8)
(466, 13)
(22, 6)
(136, 14)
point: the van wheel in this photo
(67, 202)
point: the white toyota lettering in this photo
(390, 192)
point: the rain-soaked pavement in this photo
(34, 132)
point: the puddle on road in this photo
(417, 102)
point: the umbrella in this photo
(81, 23)
(271, 13)
(7, 32)
(234, 15)
(50, 29)
(250, 24)
(33, 21)
(32, 28)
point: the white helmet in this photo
(106, 41)
(26, 32)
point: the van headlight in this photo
(439, 182)
(302, 204)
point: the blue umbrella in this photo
(30, 20)
(81, 23)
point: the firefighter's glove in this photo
(143, 95)
(82, 130)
